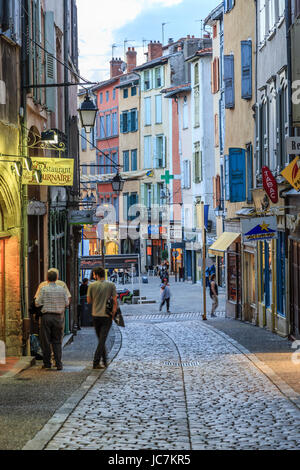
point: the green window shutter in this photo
(50, 61)
(196, 167)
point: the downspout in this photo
(66, 73)
(24, 194)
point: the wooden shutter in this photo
(246, 72)
(50, 61)
(164, 150)
(229, 81)
(214, 192)
(249, 174)
(237, 174)
(155, 156)
(121, 123)
(128, 121)
(227, 179)
(218, 191)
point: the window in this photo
(133, 91)
(114, 94)
(246, 56)
(92, 169)
(215, 79)
(148, 111)
(84, 170)
(147, 152)
(102, 128)
(281, 5)
(133, 199)
(114, 123)
(108, 125)
(282, 127)
(196, 74)
(235, 175)
(272, 14)
(134, 160)
(147, 80)
(107, 96)
(262, 20)
(281, 290)
(186, 174)
(125, 205)
(159, 151)
(196, 106)
(126, 160)
(101, 98)
(229, 81)
(158, 72)
(198, 174)
(185, 113)
(158, 109)
(125, 93)
(249, 156)
(228, 5)
(148, 195)
(83, 140)
(115, 161)
(134, 120)
(129, 121)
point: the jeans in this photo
(102, 326)
(163, 303)
(52, 332)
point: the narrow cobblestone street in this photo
(178, 385)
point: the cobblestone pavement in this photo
(180, 386)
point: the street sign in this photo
(292, 173)
(293, 145)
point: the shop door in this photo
(35, 254)
(249, 307)
(295, 287)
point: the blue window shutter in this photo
(128, 121)
(229, 81)
(237, 174)
(246, 72)
(249, 174)
(136, 120)
(227, 182)
(83, 140)
(121, 123)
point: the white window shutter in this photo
(155, 159)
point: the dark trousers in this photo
(52, 332)
(102, 326)
(163, 303)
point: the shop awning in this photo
(223, 243)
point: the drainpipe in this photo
(66, 72)
(289, 60)
(24, 197)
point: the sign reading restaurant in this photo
(55, 171)
(259, 228)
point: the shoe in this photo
(46, 367)
(99, 366)
(59, 368)
(168, 311)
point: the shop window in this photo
(281, 286)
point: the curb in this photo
(282, 386)
(23, 364)
(46, 434)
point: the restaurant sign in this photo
(55, 172)
(259, 229)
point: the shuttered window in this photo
(83, 140)
(158, 109)
(249, 155)
(198, 176)
(237, 175)
(133, 160)
(102, 128)
(246, 72)
(215, 78)
(229, 81)
(50, 60)
(186, 174)
(147, 152)
(147, 111)
(126, 160)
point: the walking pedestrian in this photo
(98, 295)
(53, 299)
(213, 290)
(83, 300)
(165, 296)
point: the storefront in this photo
(229, 245)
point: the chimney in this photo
(155, 50)
(131, 59)
(115, 67)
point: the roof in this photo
(215, 14)
(202, 53)
(152, 63)
(129, 79)
(173, 91)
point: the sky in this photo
(103, 23)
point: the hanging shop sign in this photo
(292, 173)
(259, 228)
(36, 208)
(55, 172)
(293, 145)
(270, 184)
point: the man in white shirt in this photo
(53, 299)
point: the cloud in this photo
(99, 20)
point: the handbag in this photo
(119, 320)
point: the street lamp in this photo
(87, 113)
(118, 183)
